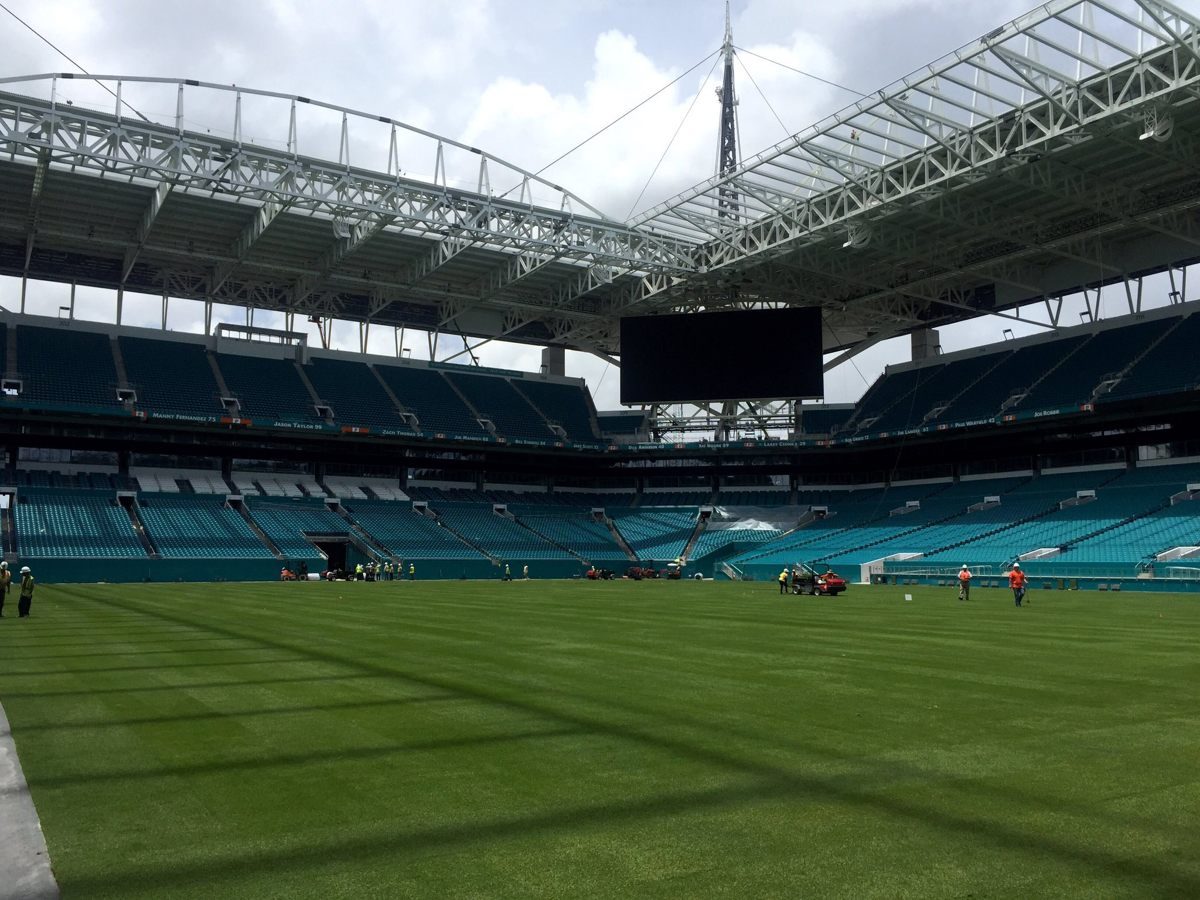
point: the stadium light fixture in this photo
(1157, 125)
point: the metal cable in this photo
(64, 55)
(623, 115)
(671, 142)
(786, 130)
(840, 87)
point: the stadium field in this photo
(567, 739)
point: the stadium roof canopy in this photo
(1057, 152)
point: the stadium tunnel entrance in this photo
(334, 549)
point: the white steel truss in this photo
(1029, 86)
(879, 213)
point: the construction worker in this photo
(964, 583)
(412, 572)
(27, 587)
(5, 582)
(507, 573)
(783, 581)
(1016, 581)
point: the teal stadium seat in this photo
(267, 389)
(355, 394)
(171, 378)
(90, 381)
(566, 405)
(427, 394)
(67, 523)
(198, 526)
(496, 399)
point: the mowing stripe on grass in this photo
(614, 740)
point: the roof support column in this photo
(554, 361)
(925, 344)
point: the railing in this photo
(732, 572)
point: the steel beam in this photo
(153, 208)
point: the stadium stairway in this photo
(984, 371)
(1108, 387)
(129, 502)
(552, 427)
(487, 424)
(119, 362)
(701, 524)
(406, 415)
(545, 537)
(8, 530)
(1128, 520)
(371, 546)
(262, 535)
(889, 538)
(217, 374)
(429, 511)
(620, 538)
(312, 391)
(1078, 350)
(1050, 510)
(1033, 517)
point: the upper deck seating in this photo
(354, 393)
(496, 399)
(566, 405)
(267, 389)
(62, 367)
(171, 377)
(427, 394)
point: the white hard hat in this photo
(3, 565)
(964, 565)
(1016, 565)
(25, 570)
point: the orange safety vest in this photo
(1016, 579)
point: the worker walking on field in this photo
(412, 572)
(783, 581)
(1016, 581)
(964, 583)
(27, 586)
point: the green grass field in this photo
(552, 739)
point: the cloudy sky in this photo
(525, 80)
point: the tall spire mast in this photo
(727, 146)
(728, 201)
